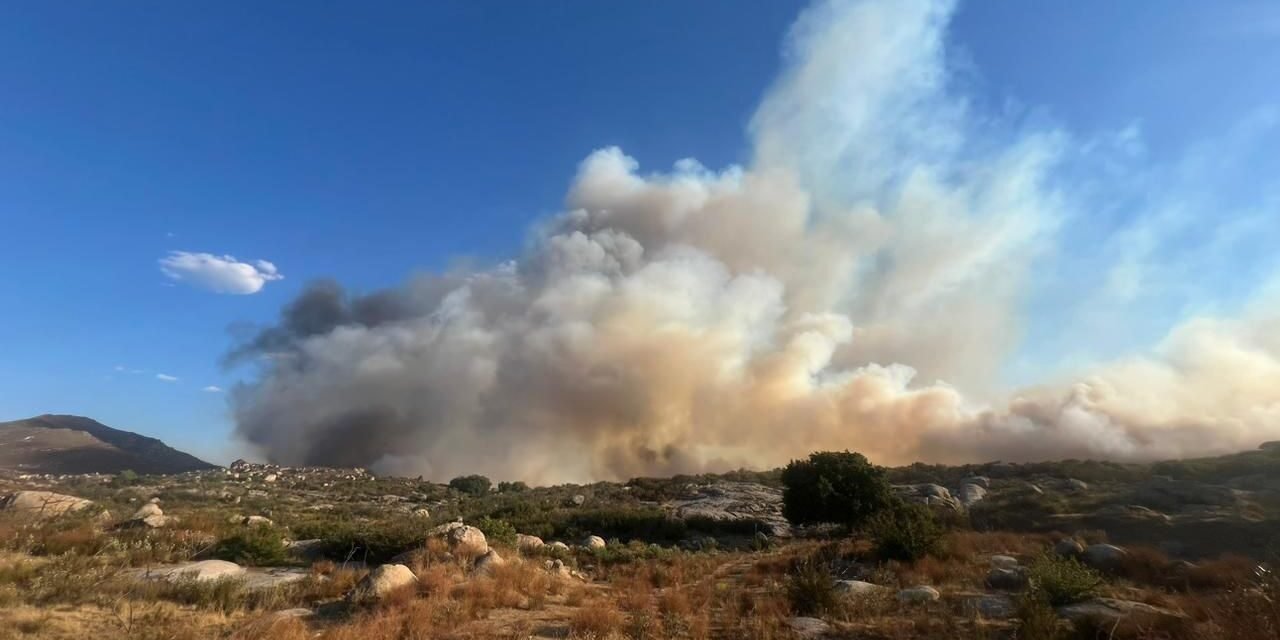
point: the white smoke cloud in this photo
(221, 274)
(861, 285)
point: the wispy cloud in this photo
(221, 274)
(164, 377)
(123, 369)
(212, 389)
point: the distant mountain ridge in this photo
(76, 444)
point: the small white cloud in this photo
(222, 274)
(164, 377)
(123, 369)
(212, 389)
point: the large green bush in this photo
(834, 486)
(497, 531)
(475, 485)
(904, 532)
(262, 546)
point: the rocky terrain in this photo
(1179, 549)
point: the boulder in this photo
(270, 477)
(42, 504)
(421, 512)
(148, 509)
(381, 582)
(981, 481)
(1073, 484)
(594, 542)
(528, 543)
(1104, 556)
(1004, 562)
(933, 495)
(857, 587)
(311, 549)
(558, 546)
(461, 538)
(157, 521)
(1006, 579)
(1068, 547)
(1112, 611)
(934, 490)
(971, 494)
(257, 521)
(486, 563)
(579, 500)
(805, 627)
(920, 594)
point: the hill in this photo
(75, 444)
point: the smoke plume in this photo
(863, 283)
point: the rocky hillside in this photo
(65, 444)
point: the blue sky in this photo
(366, 142)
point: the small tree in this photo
(512, 487)
(905, 532)
(475, 485)
(126, 478)
(834, 486)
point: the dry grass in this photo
(966, 545)
(598, 618)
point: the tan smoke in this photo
(859, 286)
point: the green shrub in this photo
(475, 485)
(836, 487)
(1063, 581)
(512, 487)
(1036, 618)
(811, 589)
(905, 532)
(260, 546)
(495, 530)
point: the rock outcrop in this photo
(933, 495)
(1113, 612)
(733, 502)
(42, 505)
